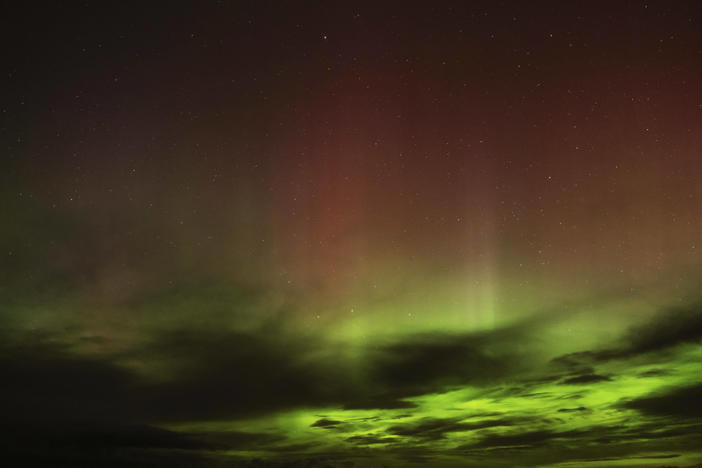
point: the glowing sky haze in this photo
(342, 234)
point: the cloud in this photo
(586, 379)
(370, 440)
(573, 410)
(206, 374)
(229, 375)
(44, 381)
(680, 403)
(529, 439)
(435, 362)
(224, 374)
(437, 428)
(202, 374)
(656, 373)
(325, 423)
(670, 328)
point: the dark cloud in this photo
(528, 439)
(577, 362)
(219, 375)
(370, 440)
(46, 382)
(656, 373)
(573, 410)
(227, 375)
(668, 329)
(672, 327)
(646, 457)
(63, 409)
(651, 431)
(436, 428)
(680, 403)
(325, 423)
(432, 362)
(622, 439)
(586, 379)
(540, 438)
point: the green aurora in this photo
(247, 235)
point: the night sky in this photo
(350, 234)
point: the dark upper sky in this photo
(338, 233)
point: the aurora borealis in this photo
(343, 234)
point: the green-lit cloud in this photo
(269, 393)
